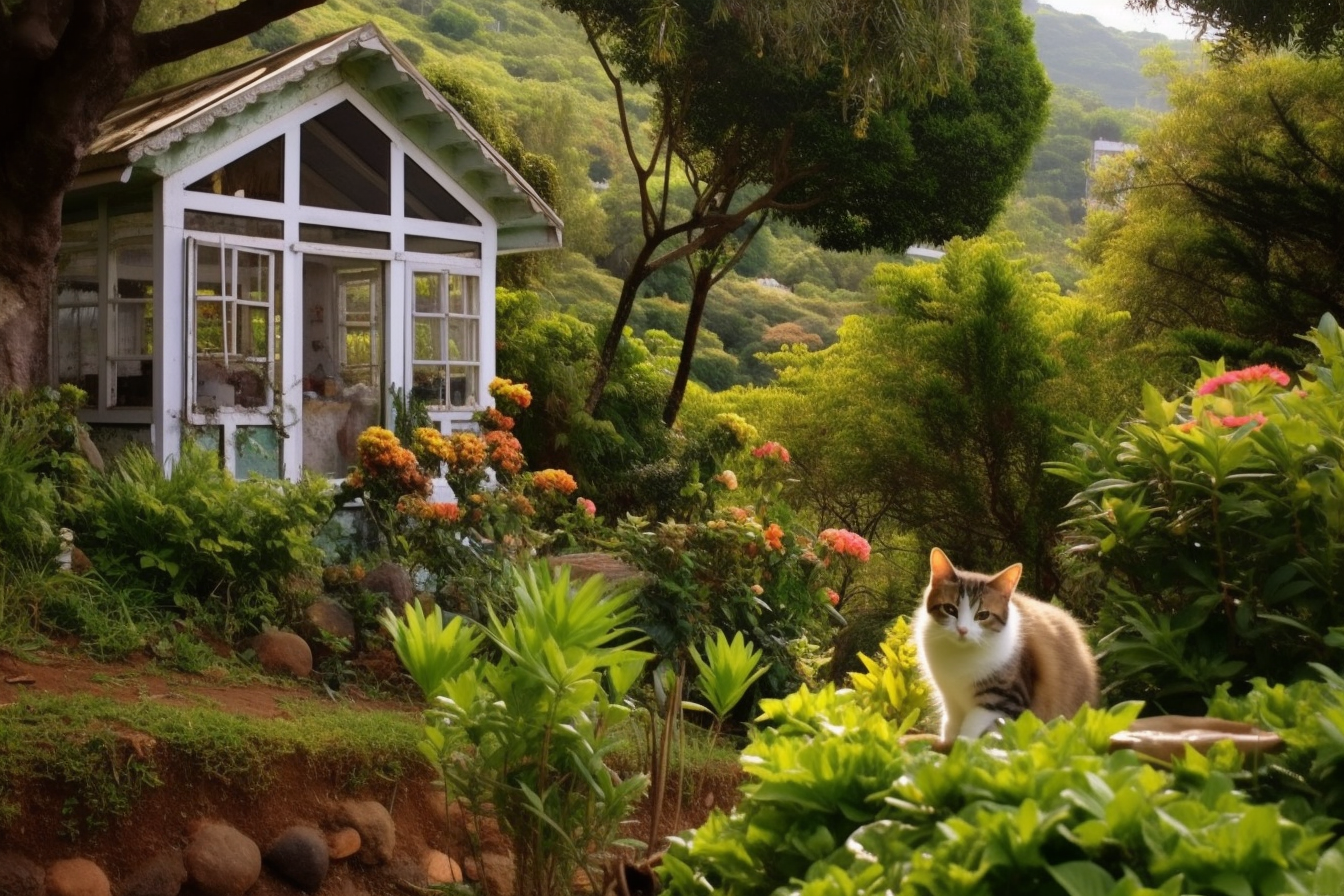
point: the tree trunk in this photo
(639, 272)
(65, 67)
(704, 279)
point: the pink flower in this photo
(845, 543)
(772, 449)
(1257, 418)
(833, 596)
(588, 506)
(1258, 372)
(728, 478)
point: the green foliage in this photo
(1309, 716)
(727, 669)
(894, 686)
(838, 805)
(221, 550)
(1212, 523)
(1226, 219)
(276, 36)
(453, 20)
(529, 732)
(1309, 26)
(434, 653)
(29, 506)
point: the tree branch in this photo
(172, 44)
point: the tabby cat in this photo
(991, 652)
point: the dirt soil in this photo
(302, 794)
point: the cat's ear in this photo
(940, 568)
(1006, 581)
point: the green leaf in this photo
(1082, 878)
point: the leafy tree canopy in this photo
(1313, 27)
(1229, 219)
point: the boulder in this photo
(391, 581)
(283, 653)
(162, 875)
(77, 877)
(377, 833)
(343, 844)
(326, 617)
(439, 869)
(300, 856)
(221, 860)
(495, 871)
(20, 876)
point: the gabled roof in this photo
(149, 126)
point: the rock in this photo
(77, 877)
(343, 844)
(283, 653)
(162, 875)
(377, 833)
(391, 581)
(90, 451)
(439, 869)
(406, 871)
(326, 617)
(20, 876)
(299, 855)
(495, 871)
(221, 860)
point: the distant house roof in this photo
(140, 133)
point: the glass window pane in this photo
(457, 339)
(253, 277)
(429, 339)
(208, 281)
(456, 304)
(77, 350)
(250, 331)
(132, 384)
(210, 326)
(428, 293)
(471, 341)
(132, 329)
(235, 225)
(345, 162)
(471, 288)
(462, 386)
(345, 236)
(427, 384)
(258, 175)
(427, 200)
(433, 245)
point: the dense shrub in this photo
(1212, 526)
(455, 21)
(221, 550)
(837, 804)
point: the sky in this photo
(1116, 15)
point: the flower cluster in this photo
(1236, 421)
(384, 462)
(510, 395)
(430, 445)
(742, 432)
(429, 511)
(843, 543)
(1246, 375)
(728, 479)
(554, 481)
(468, 452)
(493, 418)
(774, 537)
(772, 450)
(505, 452)
(586, 505)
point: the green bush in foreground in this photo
(837, 805)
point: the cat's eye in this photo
(947, 609)
(982, 616)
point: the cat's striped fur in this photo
(991, 652)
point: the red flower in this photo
(772, 449)
(1258, 372)
(1234, 422)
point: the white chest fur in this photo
(954, 664)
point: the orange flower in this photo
(728, 478)
(774, 537)
(506, 453)
(554, 480)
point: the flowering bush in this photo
(1213, 525)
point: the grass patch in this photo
(105, 754)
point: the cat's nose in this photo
(961, 631)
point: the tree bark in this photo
(704, 279)
(66, 64)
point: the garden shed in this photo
(257, 260)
